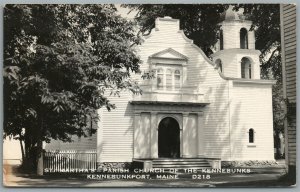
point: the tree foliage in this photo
(58, 62)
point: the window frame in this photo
(251, 136)
(253, 143)
(180, 77)
(244, 43)
(169, 71)
(169, 79)
(246, 68)
(162, 78)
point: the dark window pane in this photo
(243, 38)
(169, 79)
(251, 136)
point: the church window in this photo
(243, 38)
(160, 79)
(251, 135)
(246, 68)
(169, 79)
(177, 79)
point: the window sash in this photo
(169, 83)
(160, 79)
(251, 136)
(168, 79)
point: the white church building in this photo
(195, 107)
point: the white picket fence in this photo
(64, 161)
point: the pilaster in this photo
(200, 134)
(154, 135)
(137, 122)
(185, 117)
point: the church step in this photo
(199, 161)
(181, 166)
(183, 163)
(180, 163)
(180, 160)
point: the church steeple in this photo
(235, 51)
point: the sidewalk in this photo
(261, 179)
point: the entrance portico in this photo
(177, 124)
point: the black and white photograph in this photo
(149, 95)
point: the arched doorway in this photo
(168, 138)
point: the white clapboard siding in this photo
(289, 39)
(231, 34)
(116, 135)
(289, 42)
(257, 100)
(78, 143)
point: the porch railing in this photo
(69, 161)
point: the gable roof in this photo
(169, 54)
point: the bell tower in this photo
(235, 54)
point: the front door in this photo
(168, 138)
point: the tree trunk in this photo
(29, 163)
(40, 166)
(22, 150)
(39, 150)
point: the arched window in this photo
(219, 65)
(251, 135)
(243, 38)
(246, 68)
(177, 79)
(169, 79)
(221, 40)
(160, 79)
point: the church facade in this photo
(194, 107)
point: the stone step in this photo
(178, 162)
(181, 165)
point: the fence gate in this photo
(69, 161)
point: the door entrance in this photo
(168, 138)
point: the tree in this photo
(200, 22)
(58, 62)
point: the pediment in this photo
(169, 54)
